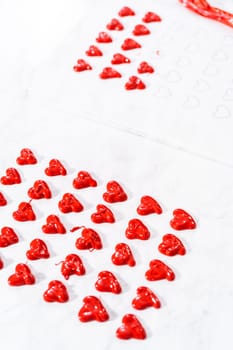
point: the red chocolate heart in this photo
(89, 240)
(145, 298)
(126, 11)
(3, 200)
(56, 292)
(8, 237)
(72, 265)
(140, 29)
(84, 180)
(12, 177)
(102, 215)
(159, 271)
(130, 328)
(21, 276)
(171, 246)
(182, 220)
(137, 230)
(107, 282)
(103, 37)
(24, 212)
(123, 255)
(81, 66)
(69, 203)
(94, 51)
(38, 250)
(115, 193)
(92, 310)
(53, 225)
(39, 190)
(151, 17)
(1, 264)
(148, 206)
(109, 73)
(118, 58)
(115, 24)
(134, 83)
(26, 157)
(144, 67)
(55, 168)
(130, 44)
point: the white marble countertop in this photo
(172, 141)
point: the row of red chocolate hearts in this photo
(90, 240)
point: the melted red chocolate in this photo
(84, 180)
(107, 282)
(8, 237)
(24, 212)
(118, 58)
(140, 29)
(171, 245)
(55, 168)
(115, 24)
(145, 298)
(109, 73)
(126, 11)
(12, 177)
(69, 203)
(104, 38)
(115, 193)
(89, 239)
(53, 225)
(130, 44)
(3, 200)
(81, 66)
(72, 265)
(26, 157)
(39, 190)
(131, 328)
(56, 292)
(123, 255)
(144, 67)
(38, 250)
(102, 215)
(203, 8)
(21, 276)
(92, 310)
(134, 83)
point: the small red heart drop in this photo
(39, 190)
(55, 168)
(81, 66)
(107, 282)
(171, 245)
(137, 230)
(144, 67)
(53, 225)
(130, 44)
(69, 203)
(72, 265)
(130, 328)
(21, 276)
(123, 255)
(149, 205)
(24, 212)
(115, 193)
(12, 177)
(118, 58)
(103, 38)
(145, 298)
(84, 180)
(109, 73)
(38, 250)
(102, 215)
(134, 83)
(140, 29)
(182, 220)
(56, 292)
(94, 51)
(159, 271)
(92, 310)
(151, 17)
(26, 157)
(126, 11)
(8, 237)
(115, 24)
(89, 239)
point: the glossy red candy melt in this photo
(3, 200)
(151, 17)
(39, 190)
(69, 203)
(134, 83)
(144, 67)
(55, 168)
(81, 66)
(56, 292)
(94, 51)
(53, 225)
(109, 73)
(8, 237)
(72, 265)
(84, 180)
(104, 37)
(89, 239)
(102, 215)
(182, 220)
(1, 264)
(24, 212)
(140, 29)
(131, 328)
(115, 193)
(159, 271)
(126, 11)
(107, 282)
(118, 58)
(12, 177)
(26, 157)
(21, 276)
(130, 44)
(115, 24)
(38, 250)
(149, 205)
(137, 230)
(203, 8)
(123, 255)
(92, 310)
(145, 298)
(171, 245)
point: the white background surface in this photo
(172, 141)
